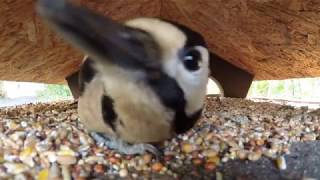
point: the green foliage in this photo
(259, 88)
(307, 88)
(278, 89)
(262, 87)
(55, 92)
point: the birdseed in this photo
(46, 141)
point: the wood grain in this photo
(274, 39)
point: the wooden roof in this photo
(274, 39)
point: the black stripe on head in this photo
(87, 72)
(193, 38)
(172, 96)
(108, 113)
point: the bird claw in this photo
(143, 148)
(124, 147)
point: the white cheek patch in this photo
(193, 83)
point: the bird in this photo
(142, 81)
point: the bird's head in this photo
(168, 55)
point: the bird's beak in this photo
(98, 36)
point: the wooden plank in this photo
(273, 39)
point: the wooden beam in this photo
(273, 39)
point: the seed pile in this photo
(46, 141)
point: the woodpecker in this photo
(142, 81)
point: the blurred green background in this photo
(307, 89)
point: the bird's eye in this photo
(191, 59)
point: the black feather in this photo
(172, 96)
(183, 123)
(170, 93)
(108, 113)
(86, 74)
(193, 38)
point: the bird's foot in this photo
(124, 147)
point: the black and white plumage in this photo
(141, 82)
